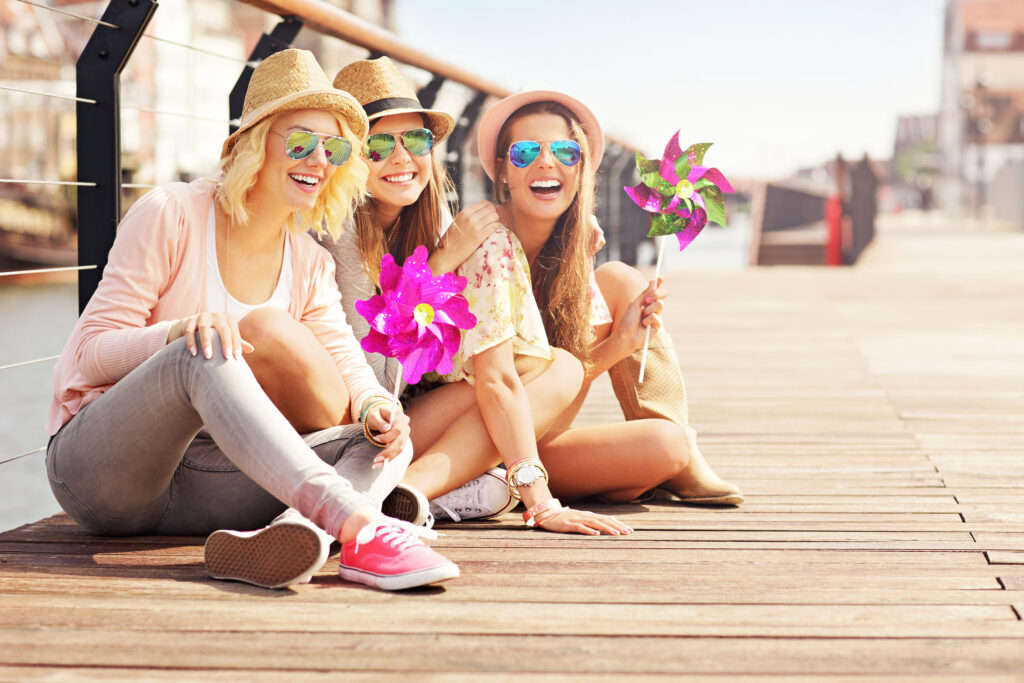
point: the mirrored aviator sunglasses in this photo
(301, 144)
(379, 146)
(525, 152)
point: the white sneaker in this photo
(485, 496)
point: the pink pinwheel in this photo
(417, 317)
(680, 191)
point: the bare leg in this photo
(620, 461)
(295, 370)
(449, 453)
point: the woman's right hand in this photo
(584, 522)
(196, 328)
(468, 231)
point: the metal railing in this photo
(98, 106)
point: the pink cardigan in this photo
(156, 274)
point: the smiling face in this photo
(397, 181)
(544, 189)
(296, 182)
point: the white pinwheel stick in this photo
(647, 335)
(398, 384)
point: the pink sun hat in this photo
(495, 117)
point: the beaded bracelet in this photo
(530, 516)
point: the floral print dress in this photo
(500, 295)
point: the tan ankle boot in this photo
(663, 395)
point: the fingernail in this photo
(208, 352)
(192, 350)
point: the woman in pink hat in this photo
(542, 149)
(455, 451)
(211, 381)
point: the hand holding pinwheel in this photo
(417, 318)
(683, 195)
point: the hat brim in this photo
(495, 117)
(440, 123)
(330, 100)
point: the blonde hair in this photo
(418, 223)
(561, 271)
(336, 203)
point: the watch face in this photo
(527, 475)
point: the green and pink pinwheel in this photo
(417, 318)
(680, 191)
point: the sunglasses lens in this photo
(523, 153)
(418, 141)
(337, 150)
(378, 146)
(566, 151)
(301, 144)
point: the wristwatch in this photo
(527, 475)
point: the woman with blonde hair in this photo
(455, 448)
(212, 381)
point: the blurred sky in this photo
(776, 85)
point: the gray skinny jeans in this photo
(135, 462)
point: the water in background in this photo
(35, 321)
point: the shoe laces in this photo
(396, 533)
(467, 498)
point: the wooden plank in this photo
(524, 654)
(1005, 557)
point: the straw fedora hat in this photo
(382, 91)
(495, 117)
(292, 79)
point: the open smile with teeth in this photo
(307, 180)
(548, 187)
(399, 177)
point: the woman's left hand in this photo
(391, 426)
(642, 312)
(572, 521)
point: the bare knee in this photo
(268, 329)
(666, 442)
(567, 374)
(615, 278)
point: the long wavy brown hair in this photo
(561, 272)
(418, 223)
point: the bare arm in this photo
(505, 408)
(467, 232)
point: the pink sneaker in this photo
(388, 554)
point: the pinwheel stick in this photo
(398, 384)
(647, 335)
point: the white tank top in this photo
(219, 300)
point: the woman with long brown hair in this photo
(542, 149)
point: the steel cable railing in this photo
(87, 101)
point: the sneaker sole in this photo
(402, 504)
(278, 556)
(399, 582)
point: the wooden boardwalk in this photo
(874, 416)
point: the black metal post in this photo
(98, 73)
(280, 38)
(428, 93)
(458, 139)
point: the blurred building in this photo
(915, 164)
(981, 122)
(174, 99)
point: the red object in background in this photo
(834, 222)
